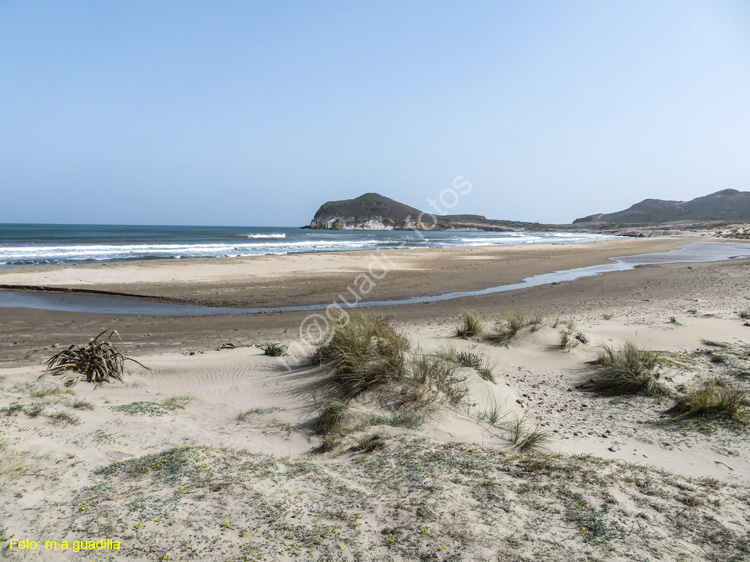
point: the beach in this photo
(180, 452)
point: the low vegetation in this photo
(365, 352)
(15, 464)
(438, 502)
(526, 439)
(64, 418)
(273, 350)
(470, 325)
(715, 399)
(508, 329)
(367, 355)
(257, 411)
(176, 402)
(627, 370)
(468, 359)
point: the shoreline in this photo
(317, 279)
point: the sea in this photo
(59, 244)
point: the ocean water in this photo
(47, 244)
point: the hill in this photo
(725, 205)
(373, 211)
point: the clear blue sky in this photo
(255, 113)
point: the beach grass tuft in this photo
(332, 415)
(470, 325)
(716, 399)
(526, 439)
(365, 352)
(508, 329)
(64, 418)
(257, 411)
(407, 420)
(713, 343)
(628, 370)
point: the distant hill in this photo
(373, 211)
(725, 205)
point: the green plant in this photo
(486, 372)
(493, 412)
(369, 442)
(745, 314)
(715, 399)
(366, 352)
(468, 359)
(177, 402)
(257, 411)
(509, 327)
(430, 378)
(273, 350)
(49, 390)
(627, 370)
(566, 341)
(12, 409)
(64, 418)
(15, 464)
(712, 343)
(82, 405)
(148, 408)
(332, 416)
(525, 439)
(533, 440)
(515, 430)
(470, 325)
(33, 410)
(581, 337)
(407, 420)
(673, 320)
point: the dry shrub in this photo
(98, 361)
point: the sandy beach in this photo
(215, 454)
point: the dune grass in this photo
(365, 352)
(628, 370)
(17, 464)
(468, 359)
(332, 415)
(713, 343)
(716, 399)
(257, 411)
(64, 418)
(566, 340)
(45, 391)
(470, 325)
(493, 412)
(407, 420)
(526, 439)
(508, 329)
(177, 402)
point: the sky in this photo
(255, 113)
